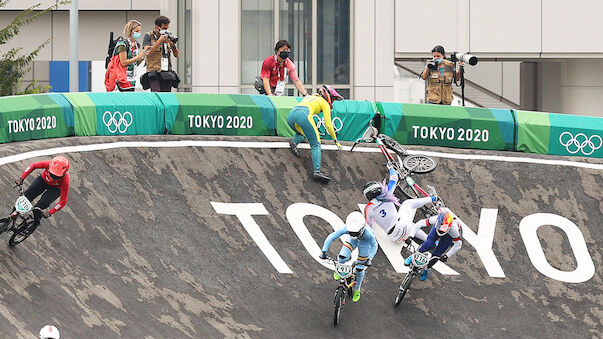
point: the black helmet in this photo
(371, 190)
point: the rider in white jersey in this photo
(382, 210)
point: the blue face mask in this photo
(136, 35)
(439, 61)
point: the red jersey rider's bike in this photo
(347, 279)
(20, 221)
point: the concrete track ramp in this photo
(140, 251)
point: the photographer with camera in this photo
(440, 73)
(160, 44)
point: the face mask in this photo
(284, 55)
(136, 35)
(439, 61)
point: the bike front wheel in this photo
(22, 232)
(419, 163)
(404, 287)
(339, 300)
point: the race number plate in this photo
(343, 270)
(23, 205)
(421, 259)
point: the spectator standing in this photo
(276, 70)
(161, 45)
(127, 54)
(440, 74)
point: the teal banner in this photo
(115, 113)
(350, 119)
(576, 135)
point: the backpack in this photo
(111, 47)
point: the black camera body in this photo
(432, 65)
(172, 37)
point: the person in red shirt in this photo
(276, 69)
(52, 183)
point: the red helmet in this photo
(329, 94)
(58, 166)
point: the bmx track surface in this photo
(141, 252)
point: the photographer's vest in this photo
(154, 59)
(439, 88)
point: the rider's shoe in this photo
(408, 261)
(294, 149)
(336, 276)
(320, 177)
(425, 274)
(356, 296)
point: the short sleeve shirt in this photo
(274, 71)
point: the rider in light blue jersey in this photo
(357, 236)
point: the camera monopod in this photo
(466, 58)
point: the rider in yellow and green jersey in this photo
(301, 120)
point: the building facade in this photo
(534, 54)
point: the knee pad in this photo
(359, 268)
(343, 257)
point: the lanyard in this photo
(278, 68)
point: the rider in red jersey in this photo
(52, 183)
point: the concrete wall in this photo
(125, 5)
(581, 89)
(373, 50)
(216, 47)
(502, 29)
(93, 32)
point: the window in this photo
(320, 49)
(257, 37)
(185, 45)
(333, 53)
(296, 27)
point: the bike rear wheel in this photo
(338, 303)
(419, 163)
(22, 232)
(404, 287)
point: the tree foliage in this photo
(13, 64)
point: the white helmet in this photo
(49, 332)
(354, 223)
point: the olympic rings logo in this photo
(322, 128)
(117, 121)
(580, 143)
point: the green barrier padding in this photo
(84, 113)
(229, 114)
(116, 113)
(533, 130)
(171, 106)
(449, 126)
(38, 116)
(283, 106)
(559, 134)
(350, 119)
